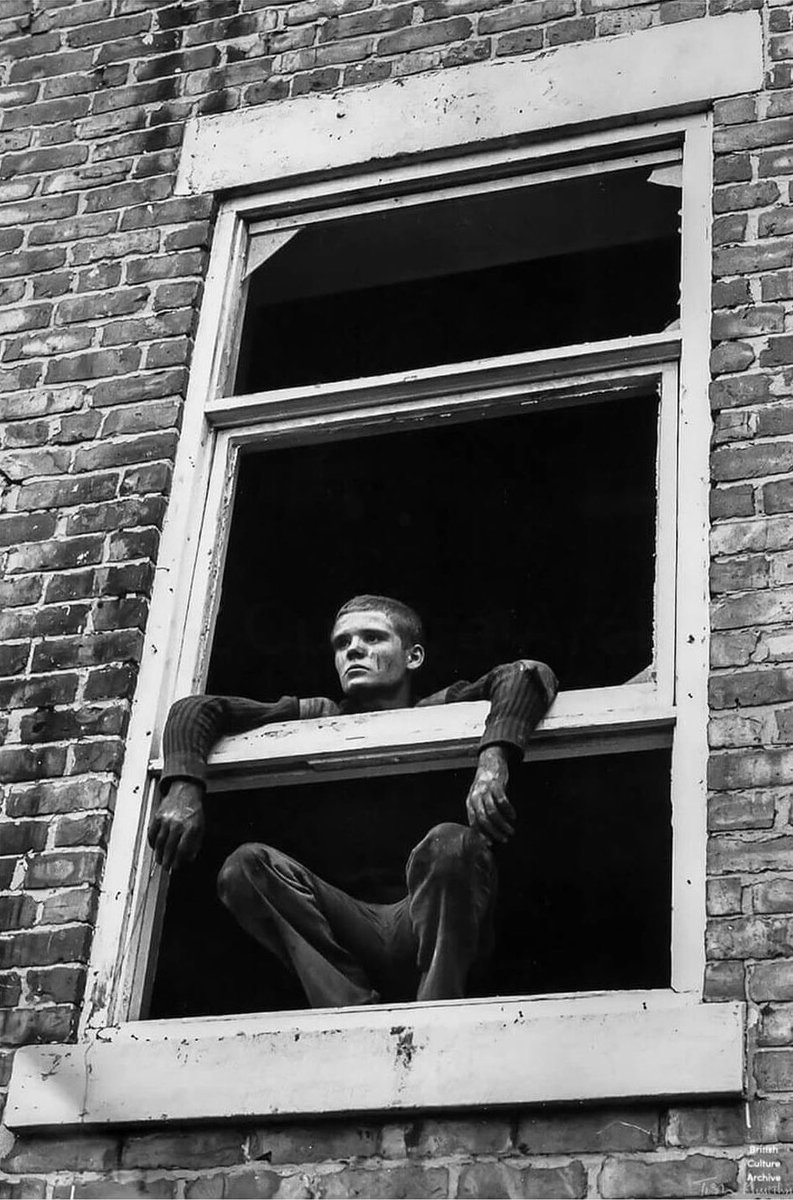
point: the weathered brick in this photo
(66, 907)
(770, 686)
(709, 1125)
(776, 1025)
(501, 1179)
(587, 1130)
(55, 555)
(41, 689)
(724, 896)
(25, 1026)
(118, 514)
(635, 1179)
(63, 869)
(88, 757)
(94, 365)
(749, 937)
(142, 387)
(92, 649)
(16, 911)
(773, 1070)
(77, 1152)
(41, 947)
(30, 762)
(778, 496)
(414, 1180)
(189, 1150)
(102, 304)
(124, 453)
(110, 683)
(771, 981)
(13, 659)
(65, 492)
(773, 895)
(449, 1136)
(745, 768)
(56, 985)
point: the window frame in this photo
(215, 426)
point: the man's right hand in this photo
(176, 829)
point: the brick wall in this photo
(100, 279)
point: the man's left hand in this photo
(487, 805)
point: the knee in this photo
(249, 859)
(449, 849)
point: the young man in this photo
(346, 951)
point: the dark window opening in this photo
(527, 536)
(473, 277)
(584, 889)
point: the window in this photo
(487, 359)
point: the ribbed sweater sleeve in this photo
(520, 694)
(195, 723)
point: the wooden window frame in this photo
(670, 711)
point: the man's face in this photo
(369, 654)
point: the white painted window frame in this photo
(670, 710)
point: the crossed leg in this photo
(346, 951)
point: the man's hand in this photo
(176, 829)
(487, 805)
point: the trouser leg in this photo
(451, 880)
(315, 928)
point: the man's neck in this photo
(380, 701)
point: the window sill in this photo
(384, 1058)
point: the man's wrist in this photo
(494, 755)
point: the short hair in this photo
(405, 620)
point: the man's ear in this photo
(415, 657)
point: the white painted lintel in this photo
(435, 1056)
(666, 69)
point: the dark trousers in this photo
(346, 951)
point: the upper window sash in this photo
(579, 374)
